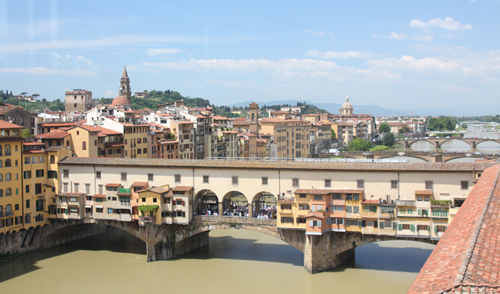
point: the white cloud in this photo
(446, 24)
(47, 71)
(235, 84)
(321, 34)
(411, 63)
(152, 52)
(396, 36)
(71, 60)
(346, 54)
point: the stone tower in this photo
(125, 93)
(253, 117)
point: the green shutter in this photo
(435, 229)
(348, 209)
(400, 227)
(419, 212)
(413, 228)
(359, 223)
(382, 225)
(394, 225)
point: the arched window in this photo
(8, 192)
(7, 150)
(1, 150)
(1, 178)
(8, 163)
(52, 159)
(1, 193)
(1, 163)
(8, 177)
(8, 209)
(1, 210)
(27, 219)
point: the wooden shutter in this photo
(311, 224)
(363, 223)
(319, 223)
(413, 228)
(400, 227)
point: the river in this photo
(236, 261)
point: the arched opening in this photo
(52, 159)
(7, 150)
(235, 203)
(1, 178)
(264, 205)
(206, 203)
(8, 163)
(8, 177)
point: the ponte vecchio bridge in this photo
(155, 200)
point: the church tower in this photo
(253, 117)
(125, 93)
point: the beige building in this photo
(291, 136)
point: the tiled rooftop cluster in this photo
(467, 258)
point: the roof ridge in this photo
(462, 271)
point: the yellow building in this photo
(162, 205)
(11, 197)
(84, 141)
(136, 140)
(291, 136)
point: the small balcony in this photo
(338, 202)
(147, 219)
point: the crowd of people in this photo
(240, 210)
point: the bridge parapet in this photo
(236, 220)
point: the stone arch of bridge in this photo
(235, 203)
(456, 139)
(406, 155)
(411, 142)
(206, 202)
(263, 203)
(487, 140)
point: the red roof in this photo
(8, 125)
(113, 185)
(423, 192)
(182, 188)
(56, 134)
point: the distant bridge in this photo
(437, 142)
(424, 155)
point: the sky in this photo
(404, 54)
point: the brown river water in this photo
(236, 261)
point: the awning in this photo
(99, 207)
(88, 206)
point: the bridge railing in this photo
(235, 220)
(307, 159)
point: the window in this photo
(405, 227)
(428, 185)
(313, 223)
(8, 192)
(177, 178)
(101, 189)
(285, 220)
(52, 174)
(235, 180)
(150, 177)
(41, 159)
(39, 173)
(84, 145)
(302, 195)
(27, 203)
(124, 176)
(301, 220)
(138, 140)
(99, 209)
(328, 183)
(110, 151)
(38, 188)
(52, 159)
(303, 207)
(394, 184)
(110, 210)
(422, 228)
(440, 212)
(65, 187)
(286, 206)
(8, 163)
(419, 198)
(8, 177)
(337, 208)
(369, 208)
(27, 174)
(318, 197)
(145, 151)
(7, 150)
(139, 151)
(348, 209)
(26, 160)
(65, 173)
(264, 180)
(98, 174)
(295, 182)
(337, 196)
(205, 179)
(144, 140)
(87, 189)
(465, 185)
(361, 184)
(355, 209)
(39, 205)
(154, 200)
(440, 229)
(385, 209)
(27, 189)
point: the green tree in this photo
(25, 133)
(384, 128)
(464, 125)
(388, 140)
(359, 145)
(404, 129)
(334, 136)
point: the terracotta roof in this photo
(230, 132)
(70, 194)
(102, 130)
(53, 135)
(159, 190)
(314, 215)
(99, 196)
(423, 192)
(114, 144)
(8, 125)
(120, 100)
(182, 188)
(370, 201)
(59, 124)
(139, 184)
(467, 256)
(290, 165)
(113, 185)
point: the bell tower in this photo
(253, 117)
(125, 85)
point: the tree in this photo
(404, 130)
(359, 145)
(464, 126)
(36, 96)
(334, 136)
(388, 140)
(384, 128)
